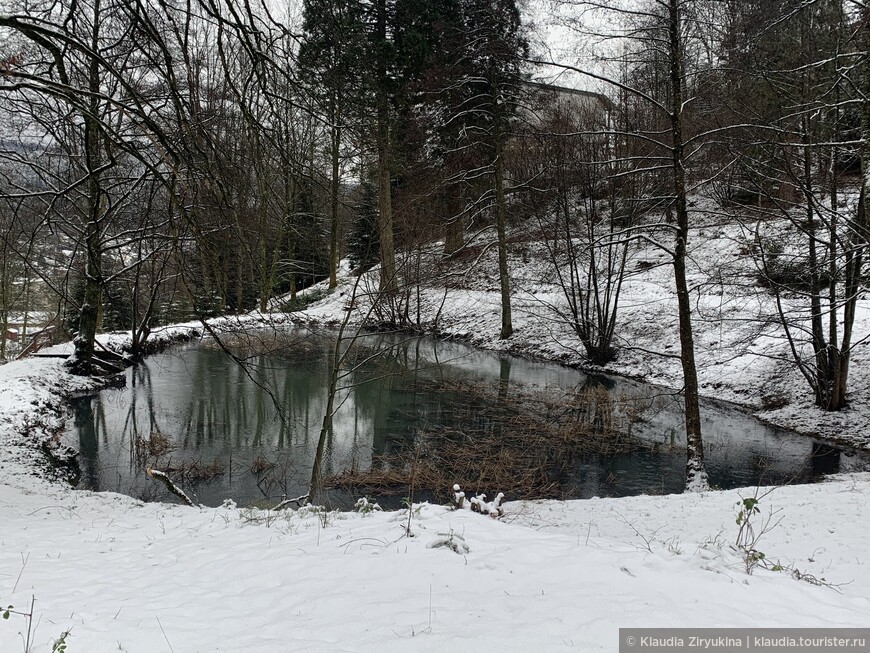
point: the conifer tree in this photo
(493, 55)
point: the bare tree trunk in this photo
(314, 485)
(289, 186)
(696, 474)
(89, 315)
(507, 327)
(5, 299)
(335, 152)
(385, 210)
(859, 234)
(820, 345)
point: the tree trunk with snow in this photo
(696, 473)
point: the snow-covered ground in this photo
(118, 574)
(550, 576)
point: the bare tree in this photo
(580, 205)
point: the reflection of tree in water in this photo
(266, 382)
(504, 379)
(592, 405)
(383, 376)
(235, 407)
(142, 388)
(373, 389)
(85, 423)
(824, 459)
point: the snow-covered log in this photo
(172, 487)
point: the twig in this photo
(23, 565)
(168, 643)
(299, 501)
(29, 625)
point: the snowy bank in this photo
(33, 402)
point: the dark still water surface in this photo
(218, 429)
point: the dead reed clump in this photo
(261, 464)
(155, 445)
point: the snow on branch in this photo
(172, 487)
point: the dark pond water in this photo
(411, 408)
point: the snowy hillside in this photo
(741, 352)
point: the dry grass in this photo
(261, 464)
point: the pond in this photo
(413, 415)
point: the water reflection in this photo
(249, 433)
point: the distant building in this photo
(595, 107)
(561, 110)
(560, 135)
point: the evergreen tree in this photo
(493, 55)
(429, 47)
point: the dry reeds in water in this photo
(261, 464)
(526, 447)
(197, 470)
(155, 445)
